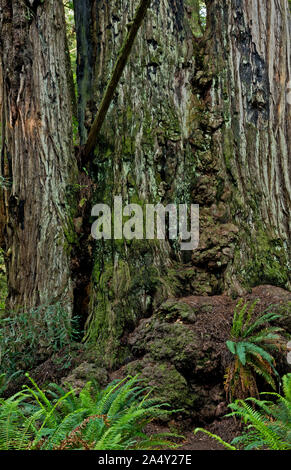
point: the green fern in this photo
(251, 343)
(109, 419)
(216, 437)
(47, 328)
(268, 423)
(16, 430)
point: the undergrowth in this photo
(59, 419)
(252, 342)
(30, 336)
(267, 422)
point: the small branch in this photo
(116, 75)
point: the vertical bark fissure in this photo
(146, 128)
(38, 139)
(121, 62)
(258, 37)
(216, 131)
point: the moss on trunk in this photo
(192, 121)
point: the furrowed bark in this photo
(116, 75)
(142, 151)
(36, 153)
(251, 46)
(194, 120)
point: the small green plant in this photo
(32, 335)
(251, 343)
(5, 182)
(109, 419)
(198, 17)
(267, 423)
(216, 437)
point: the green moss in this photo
(177, 345)
(267, 261)
(172, 310)
(265, 268)
(71, 237)
(124, 287)
(228, 149)
(169, 385)
(260, 257)
(183, 281)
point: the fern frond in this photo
(260, 368)
(239, 313)
(112, 419)
(260, 422)
(287, 386)
(216, 437)
(267, 318)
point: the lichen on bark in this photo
(36, 154)
(143, 153)
(254, 140)
(187, 126)
(199, 116)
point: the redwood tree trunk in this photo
(36, 152)
(249, 43)
(143, 152)
(201, 120)
(194, 120)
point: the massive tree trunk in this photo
(36, 153)
(202, 120)
(247, 53)
(196, 119)
(143, 154)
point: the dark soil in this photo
(216, 323)
(226, 428)
(178, 344)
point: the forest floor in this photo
(59, 367)
(226, 428)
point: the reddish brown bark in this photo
(36, 152)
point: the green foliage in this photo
(268, 423)
(5, 379)
(198, 16)
(16, 430)
(31, 335)
(251, 343)
(4, 182)
(109, 419)
(71, 39)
